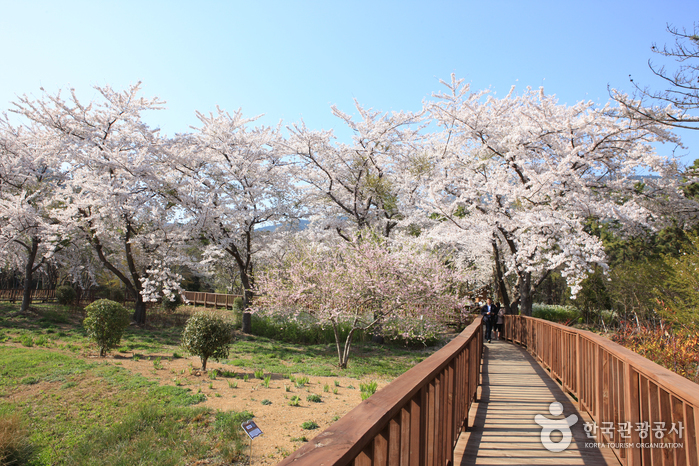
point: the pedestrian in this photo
(488, 311)
(499, 322)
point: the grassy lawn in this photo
(61, 405)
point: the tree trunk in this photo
(499, 278)
(247, 298)
(28, 272)
(525, 293)
(139, 313)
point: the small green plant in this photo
(326, 388)
(177, 382)
(294, 401)
(42, 341)
(259, 374)
(245, 378)
(157, 365)
(207, 336)
(367, 389)
(213, 374)
(232, 384)
(299, 439)
(26, 340)
(136, 357)
(266, 402)
(287, 388)
(351, 387)
(314, 398)
(266, 381)
(309, 425)
(335, 391)
(176, 355)
(337, 383)
(105, 323)
(211, 385)
(301, 382)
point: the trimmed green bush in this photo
(65, 295)
(105, 323)
(207, 336)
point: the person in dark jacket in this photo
(488, 312)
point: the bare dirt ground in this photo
(280, 422)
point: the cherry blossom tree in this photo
(363, 283)
(235, 182)
(358, 185)
(528, 172)
(30, 175)
(115, 195)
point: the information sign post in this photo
(253, 431)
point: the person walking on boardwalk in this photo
(499, 320)
(488, 311)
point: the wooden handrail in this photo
(414, 420)
(617, 386)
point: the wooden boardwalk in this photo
(514, 389)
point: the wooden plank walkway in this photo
(515, 388)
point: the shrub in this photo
(105, 323)
(238, 304)
(314, 398)
(207, 336)
(170, 304)
(65, 295)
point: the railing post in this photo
(578, 375)
(632, 410)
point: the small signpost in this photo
(253, 431)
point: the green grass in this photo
(98, 413)
(321, 360)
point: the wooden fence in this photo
(415, 420)
(15, 295)
(211, 299)
(636, 405)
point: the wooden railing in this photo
(415, 420)
(211, 299)
(621, 390)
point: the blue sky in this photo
(294, 59)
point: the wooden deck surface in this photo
(515, 388)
